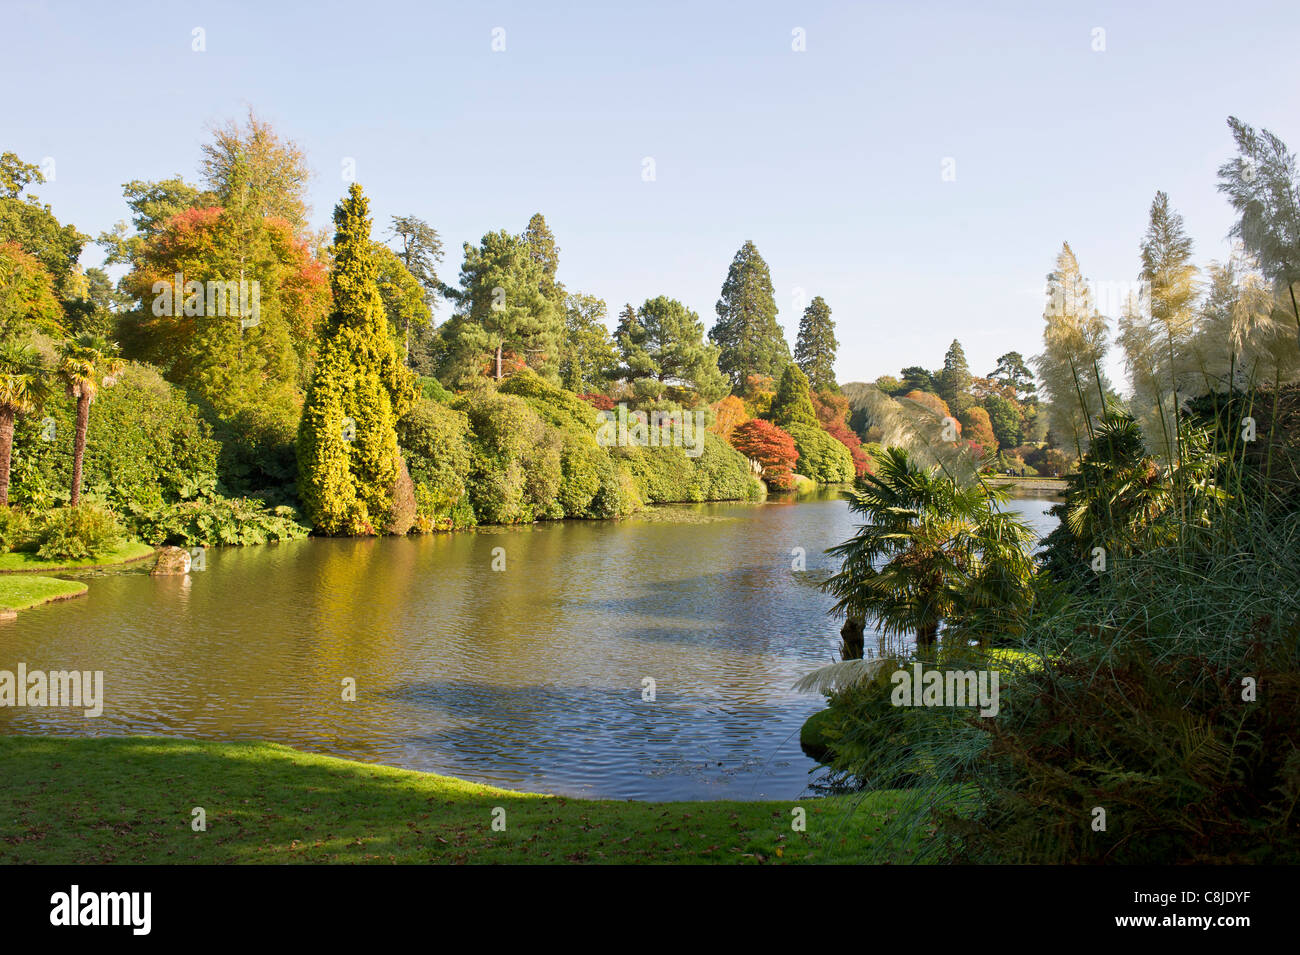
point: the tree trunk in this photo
(854, 640)
(498, 362)
(79, 445)
(926, 636)
(6, 452)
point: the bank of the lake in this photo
(132, 800)
(23, 586)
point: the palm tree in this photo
(84, 364)
(24, 386)
(930, 551)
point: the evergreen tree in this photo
(1014, 373)
(672, 349)
(916, 378)
(589, 355)
(955, 380)
(348, 459)
(792, 404)
(747, 333)
(814, 350)
(541, 246)
(631, 338)
(504, 316)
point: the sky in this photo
(918, 165)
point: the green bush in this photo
(821, 457)
(145, 444)
(668, 475)
(590, 485)
(216, 520)
(435, 440)
(15, 529)
(432, 389)
(78, 533)
(515, 470)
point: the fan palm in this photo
(930, 551)
(24, 386)
(84, 364)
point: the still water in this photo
(530, 677)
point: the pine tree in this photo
(792, 404)
(672, 348)
(814, 350)
(955, 379)
(348, 459)
(504, 315)
(747, 334)
(541, 246)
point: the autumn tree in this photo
(32, 226)
(253, 164)
(771, 447)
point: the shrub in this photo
(515, 471)
(15, 529)
(214, 520)
(402, 516)
(432, 389)
(435, 440)
(821, 457)
(78, 533)
(773, 449)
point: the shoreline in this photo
(265, 803)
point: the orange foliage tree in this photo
(772, 447)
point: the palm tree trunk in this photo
(79, 445)
(854, 639)
(6, 452)
(927, 635)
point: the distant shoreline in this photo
(1055, 485)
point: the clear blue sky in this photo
(829, 159)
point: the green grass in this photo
(28, 590)
(129, 800)
(17, 562)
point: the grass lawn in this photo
(19, 592)
(15, 561)
(129, 800)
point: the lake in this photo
(530, 677)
